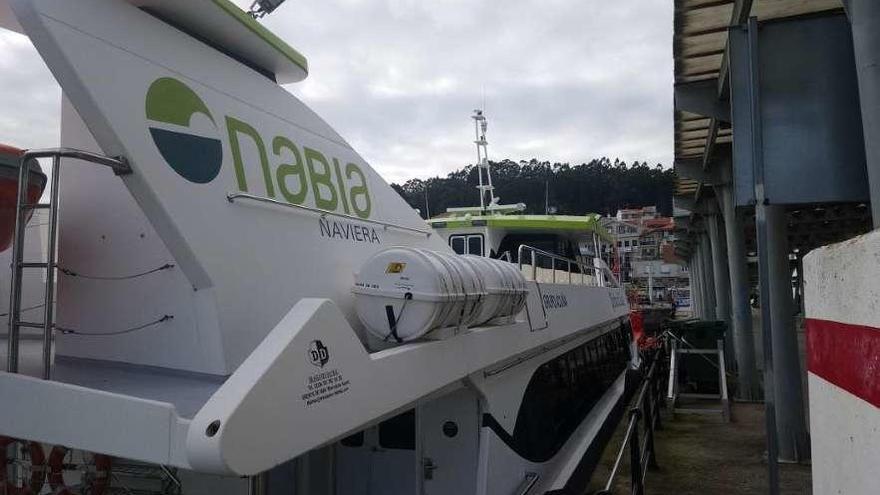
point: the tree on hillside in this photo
(599, 186)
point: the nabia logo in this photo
(194, 150)
(170, 108)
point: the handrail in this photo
(118, 164)
(642, 454)
(585, 268)
(119, 167)
(231, 197)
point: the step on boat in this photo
(243, 303)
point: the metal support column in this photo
(761, 231)
(693, 292)
(783, 393)
(790, 420)
(722, 280)
(748, 385)
(708, 277)
(696, 279)
(864, 16)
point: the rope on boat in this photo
(73, 331)
(72, 273)
(24, 309)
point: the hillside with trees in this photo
(599, 186)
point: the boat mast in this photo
(480, 125)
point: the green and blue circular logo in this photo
(190, 146)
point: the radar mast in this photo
(480, 125)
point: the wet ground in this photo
(700, 454)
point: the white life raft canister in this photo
(402, 293)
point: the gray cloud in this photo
(563, 80)
(30, 99)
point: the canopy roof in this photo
(547, 223)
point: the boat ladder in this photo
(22, 210)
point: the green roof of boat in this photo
(279, 45)
(225, 25)
(590, 222)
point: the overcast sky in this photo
(562, 80)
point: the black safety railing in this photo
(644, 420)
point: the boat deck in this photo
(187, 391)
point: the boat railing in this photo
(644, 420)
(561, 270)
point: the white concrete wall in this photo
(842, 285)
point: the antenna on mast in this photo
(480, 126)
(261, 8)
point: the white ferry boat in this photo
(235, 301)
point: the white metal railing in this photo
(586, 274)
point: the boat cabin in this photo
(578, 238)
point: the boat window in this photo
(399, 432)
(475, 245)
(562, 392)
(356, 440)
(551, 243)
(467, 244)
(457, 243)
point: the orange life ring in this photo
(97, 486)
(38, 468)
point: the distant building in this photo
(643, 250)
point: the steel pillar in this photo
(692, 283)
(794, 443)
(864, 16)
(708, 277)
(721, 278)
(691, 286)
(749, 387)
(756, 148)
(697, 276)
